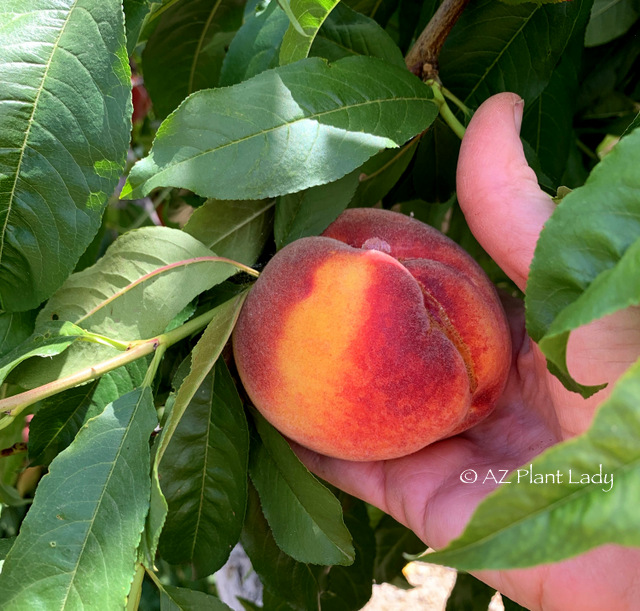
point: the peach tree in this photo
(154, 156)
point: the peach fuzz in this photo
(373, 340)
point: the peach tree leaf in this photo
(346, 32)
(635, 124)
(49, 341)
(146, 277)
(310, 15)
(586, 259)
(469, 594)
(65, 119)
(5, 546)
(203, 358)
(592, 502)
(135, 12)
(380, 10)
(255, 46)
(186, 49)
(305, 517)
(379, 174)
(289, 584)
(236, 230)
(173, 598)
(284, 130)
(278, 572)
(393, 541)
(78, 541)
(610, 20)
(204, 477)
(15, 327)
(548, 120)
(59, 418)
(495, 47)
(311, 211)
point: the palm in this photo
(424, 491)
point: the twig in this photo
(422, 59)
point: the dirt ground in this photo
(432, 583)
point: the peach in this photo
(373, 340)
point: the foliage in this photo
(121, 243)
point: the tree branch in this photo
(422, 59)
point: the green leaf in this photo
(255, 46)
(570, 514)
(494, 47)
(77, 544)
(279, 573)
(204, 477)
(393, 541)
(185, 52)
(548, 120)
(15, 328)
(379, 175)
(60, 417)
(610, 19)
(135, 12)
(509, 605)
(586, 259)
(203, 358)
(295, 585)
(183, 599)
(306, 519)
(309, 17)
(285, 130)
(145, 278)
(348, 588)
(285, 5)
(237, 230)
(51, 340)
(380, 10)
(65, 118)
(5, 546)
(11, 466)
(635, 124)
(434, 174)
(346, 33)
(469, 594)
(310, 212)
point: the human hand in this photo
(506, 210)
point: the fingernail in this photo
(518, 109)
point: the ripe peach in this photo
(373, 340)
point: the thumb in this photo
(497, 190)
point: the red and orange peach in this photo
(373, 340)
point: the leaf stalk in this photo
(445, 112)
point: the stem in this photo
(133, 600)
(445, 112)
(457, 101)
(106, 341)
(422, 59)
(12, 406)
(190, 327)
(155, 579)
(153, 368)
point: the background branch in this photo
(422, 59)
